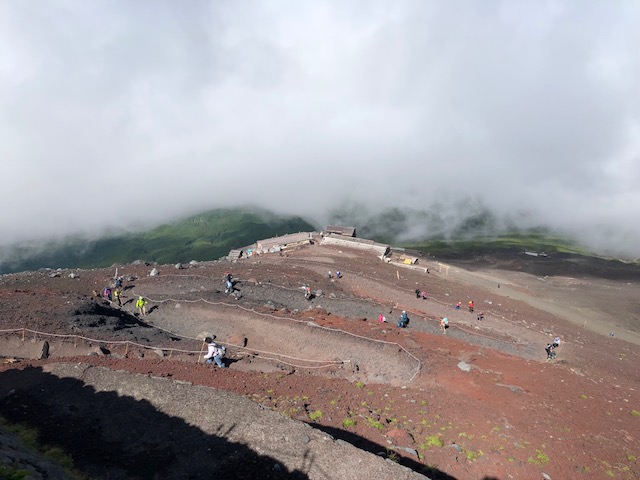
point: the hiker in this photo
(116, 295)
(556, 342)
(551, 354)
(141, 305)
(307, 293)
(424, 294)
(228, 277)
(458, 305)
(444, 324)
(480, 316)
(418, 293)
(330, 275)
(471, 305)
(107, 293)
(404, 320)
(382, 318)
(228, 286)
(215, 353)
(118, 283)
(338, 274)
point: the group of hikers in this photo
(114, 295)
(471, 305)
(309, 295)
(216, 352)
(403, 322)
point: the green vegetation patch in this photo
(316, 415)
(207, 236)
(540, 458)
(349, 422)
(432, 441)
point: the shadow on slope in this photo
(377, 449)
(118, 437)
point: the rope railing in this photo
(253, 311)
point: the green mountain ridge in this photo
(212, 234)
(207, 236)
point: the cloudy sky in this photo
(122, 113)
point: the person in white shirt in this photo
(214, 353)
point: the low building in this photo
(379, 249)
(291, 240)
(344, 231)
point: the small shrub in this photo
(635, 413)
(292, 411)
(432, 441)
(393, 456)
(316, 415)
(541, 458)
(58, 455)
(375, 423)
(360, 384)
(473, 456)
(349, 422)
(10, 473)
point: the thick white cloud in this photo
(127, 113)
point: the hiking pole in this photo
(201, 350)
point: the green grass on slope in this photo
(503, 242)
(207, 236)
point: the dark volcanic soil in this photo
(402, 393)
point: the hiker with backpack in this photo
(141, 305)
(550, 349)
(228, 283)
(215, 352)
(444, 324)
(404, 320)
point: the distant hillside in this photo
(207, 236)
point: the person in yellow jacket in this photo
(116, 296)
(141, 305)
